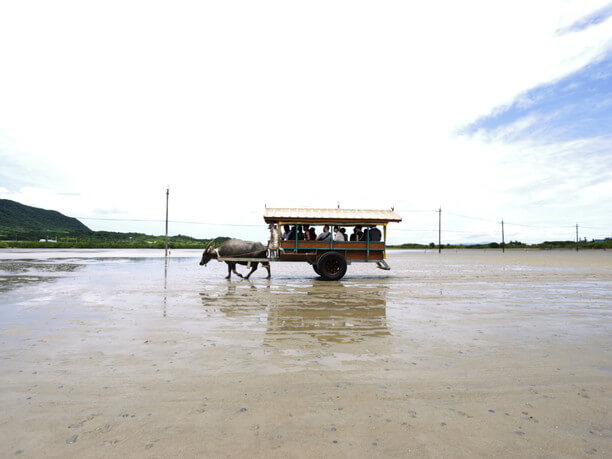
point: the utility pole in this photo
(576, 237)
(440, 230)
(167, 195)
(503, 241)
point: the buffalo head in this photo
(208, 254)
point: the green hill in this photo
(24, 226)
(16, 218)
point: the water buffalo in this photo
(236, 248)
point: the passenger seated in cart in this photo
(375, 234)
(286, 233)
(343, 231)
(325, 235)
(338, 236)
(313, 234)
(300, 234)
(357, 234)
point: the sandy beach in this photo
(459, 354)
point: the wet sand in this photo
(463, 354)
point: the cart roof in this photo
(307, 215)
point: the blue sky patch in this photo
(592, 19)
(574, 107)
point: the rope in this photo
(240, 254)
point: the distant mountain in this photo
(19, 218)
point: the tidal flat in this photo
(120, 353)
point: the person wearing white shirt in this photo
(338, 236)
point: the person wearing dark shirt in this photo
(291, 236)
(365, 235)
(375, 234)
(300, 234)
(313, 234)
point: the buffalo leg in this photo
(233, 265)
(253, 268)
(229, 271)
(267, 266)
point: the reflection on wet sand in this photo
(15, 274)
(8, 283)
(327, 312)
(24, 267)
(165, 307)
(237, 300)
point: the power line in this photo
(416, 211)
(258, 224)
(536, 226)
(558, 229)
(541, 226)
(413, 230)
(162, 221)
(471, 218)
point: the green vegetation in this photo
(410, 245)
(604, 244)
(112, 240)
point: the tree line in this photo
(99, 239)
(593, 244)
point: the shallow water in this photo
(388, 358)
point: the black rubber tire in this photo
(316, 270)
(331, 266)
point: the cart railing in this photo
(324, 245)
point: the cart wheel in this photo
(331, 266)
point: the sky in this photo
(488, 110)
